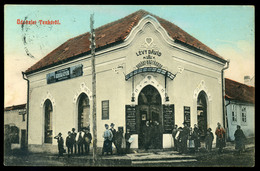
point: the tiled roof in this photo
(113, 33)
(15, 107)
(239, 92)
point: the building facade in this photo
(240, 106)
(147, 69)
(15, 131)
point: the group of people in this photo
(76, 143)
(150, 134)
(188, 139)
(111, 136)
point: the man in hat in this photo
(209, 139)
(60, 144)
(80, 141)
(185, 134)
(69, 143)
(87, 140)
(196, 134)
(107, 146)
(113, 130)
(73, 136)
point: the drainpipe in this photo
(223, 93)
(27, 109)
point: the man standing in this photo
(186, 132)
(113, 130)
(60, 144)
(127, 140)
(174, 132)
(107, 146)
(118, 141)
(240, 139)
(80, 141)
(87, 140)
(73, 136)
(147, 135)
(196, 134)
(220, 133)
(69, 143)
(209, 139)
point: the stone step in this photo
(140, 162)
(160, 158)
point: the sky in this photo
(228, 30)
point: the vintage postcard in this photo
(129, 85)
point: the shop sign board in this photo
(131, 118)
(64, 74)
(168, 118)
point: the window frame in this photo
(243, 115)
(105, 111)
(233, 113)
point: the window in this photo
(105, 109)
(243, 110)
(23, 113)
(48, 121)
(234, 113)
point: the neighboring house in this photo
(15, 120)
(240, 106)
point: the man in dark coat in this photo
(60, 144)
(87, 140)
(196, 134)
(118, 141)
(240, 139)
(209, 139)
(69, 143)
(113, 130)
(147, 135)
(73, 136)
(128, 143)
(181, 139)
(185, 134)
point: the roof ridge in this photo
(240, 82)
(114, 32)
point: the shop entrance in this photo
(149, 118)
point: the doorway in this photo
(149, 111)
(202, 114)
(23, 139)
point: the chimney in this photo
(247, 80)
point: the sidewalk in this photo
(163, 157)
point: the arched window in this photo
(83, 111)
(48, 110)
(202, 113)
